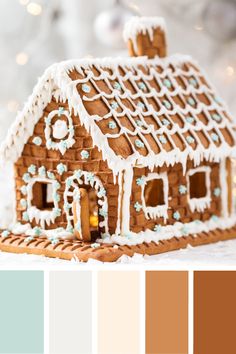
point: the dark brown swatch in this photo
(166, 312)
(215, 312)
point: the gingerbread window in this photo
(42, 197)
(155, 195)
(199, 191)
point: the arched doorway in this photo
(86, 205)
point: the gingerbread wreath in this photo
(115, 156)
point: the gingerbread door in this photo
(86, 218)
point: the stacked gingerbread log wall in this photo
(177, 201)
(41, 156)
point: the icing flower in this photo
(139, 123)
(28, 239)
(176, 215)
(184, 230)
(86, 88)
(103, 212)
(182, 189)
(167, 104)
(56, 211)
(90, 177)
(37, 231)
(112, 125)
(140, 105)
(190, 119)
(95, 245)
(167, 83)
(137, 206)
(114, 105)
(56, 197)
(26, 177)
(57, 185)
(191, 101)
(42, 171)
(117, 86)
(50, 175)
(67, 206)
(140, 181)
(32, 169)
(214, 218)
(165, 122)
(193, 81)
(139, 143)
(60, 111)
(101, 193)
(216, 117)
(190, 139)
(78, 174)
(48, 120)
(23, 203)
(23, 190)
(69, 182)
(5, 233)
(162, 139)
(142, 86)
(53, 240)
(61, 168)
(37, 140)
(70, 229)
(157, 228)
(215, 137)
(217, 192)
(84, 154)
(25, 216)
(217, 99)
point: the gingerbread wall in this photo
(41, 156)
(177, 201)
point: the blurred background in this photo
(35, 34)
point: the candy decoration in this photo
(139, 143)
(137, 206)
(84, 154)
(190, 139)
(176, 215)
(217, 192)
(37, 140)
(214, 137)
(182, 189)
(86, 88)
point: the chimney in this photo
(146, 36)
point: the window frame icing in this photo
(159, 210)
(199, 204)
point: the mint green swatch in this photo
(21, 312)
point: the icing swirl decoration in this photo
(60, 134)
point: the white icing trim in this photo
(64, 144)
(160, 210)
(200, 204)
(57, 77)
(41, 216)
(137, 25)
(72, 191)
(224, 189)
(127, 189)
(167, 232)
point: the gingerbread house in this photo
(122, 155)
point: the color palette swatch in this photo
(166, 312)
(21, 312)
(117, 312)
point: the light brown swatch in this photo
(118, 312)
(166, 312)
(214, 312)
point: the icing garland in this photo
(59, 131)
(72, 184)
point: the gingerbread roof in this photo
(139, 111)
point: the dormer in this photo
(146, 36)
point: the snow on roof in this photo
(139, 111)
